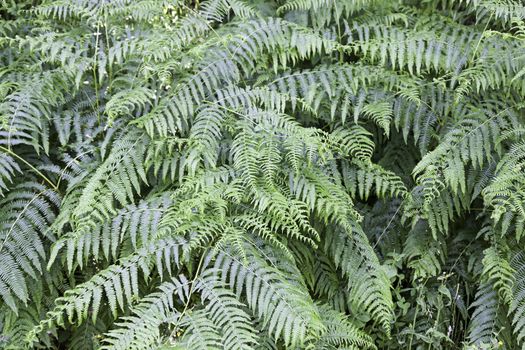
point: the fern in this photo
(290, 313)
(27, 212)
(488, 321)
(367, 281)
(516, 305)
(8, 171)
(248, 174)
(133, 332)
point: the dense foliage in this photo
(262, 174)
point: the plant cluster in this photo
(262, 174)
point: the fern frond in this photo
(117, 180)
(136, 224)
(361, 177)
(277, 297)
(8, 169)
(118, 284)
(368, 284)
(226, 312)
(517, 305)
(27, 214)
(141, 330)
(426, 255)
(499, 272)
(505, 191)
(341, 333)
(488, 320)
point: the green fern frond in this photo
(117, 284)
(488, 319)
(517, 305)
(341, 333)
(8, 170)
(505, 190)
(425, 255)
(279, 298)
(142, 328)
(499, 271)
(368, 284)
(134, 224)
(361, 177)
(27, 214)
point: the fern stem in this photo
(12, 225)
(481, 35)
(45, 178)
(190, 293)
(413, 325)
(95, 80)
(388, 225)
(62, 173)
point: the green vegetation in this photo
(262, 174)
